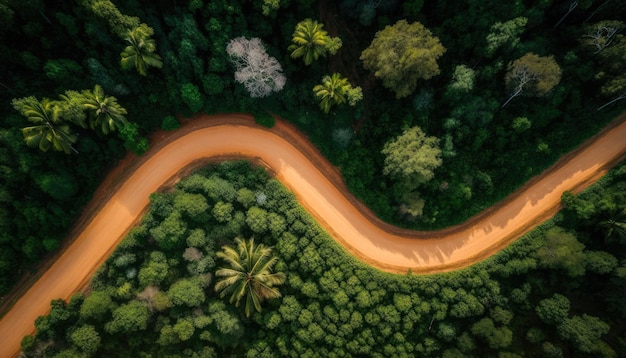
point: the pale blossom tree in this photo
(260, 73)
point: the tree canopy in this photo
(412, 156)
(310, 41)
(249, 274)
(531, 75)
(402, 54)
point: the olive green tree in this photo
(531, 75)
(402, 54)
(412, 155)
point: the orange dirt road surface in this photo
(124, 196)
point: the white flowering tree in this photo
(255, 69)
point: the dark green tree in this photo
(583, 331)
(553, 310)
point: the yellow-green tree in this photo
(336, 90)
(310, 41)
(402, 54)
(104, 113)
(49, 130)
(412, 155)
(140, 53)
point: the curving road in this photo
(124, 195)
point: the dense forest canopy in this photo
(230, 264)
(502, 88)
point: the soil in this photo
(123, 197)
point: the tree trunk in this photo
(595, 11)
(622, 96)
(572, 6)
(517, 93)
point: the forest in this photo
(170, 289)
(433, 111)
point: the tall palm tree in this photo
(105, 113)
(615, 225)
(333, 90)
(249, 274)
(49, 130)
(310, 41)
(140, 53)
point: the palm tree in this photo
(49, 130)
(333, 90)
(309, 41)
(615, 225)
(140, 53)
(249, 274)
(104, 111)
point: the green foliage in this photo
(49, 130)
(412, 156)
(463, 80)
(105, 114)
(60, 186)
(128, 318)
(583, 331)
(310, 41)
(600, 262)
(264, 118)
(402, 54)
(170, 123)
(133, 141)
(86, 338)
(62, 69)
(155, 270)
(256, 218)
(553, 310)
(531, 75)
(336, 90)
(140, 53)
(118, 22)
(601, 35)
(561, 250)
(213, 84)
(521, 124)
(495, 337)
(505, 33)
(192, 97)
(332, 302)
(186, 292)
(249, 274)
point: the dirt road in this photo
(123, 197)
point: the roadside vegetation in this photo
(190, 281)
(505, 88)
(433, 111)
